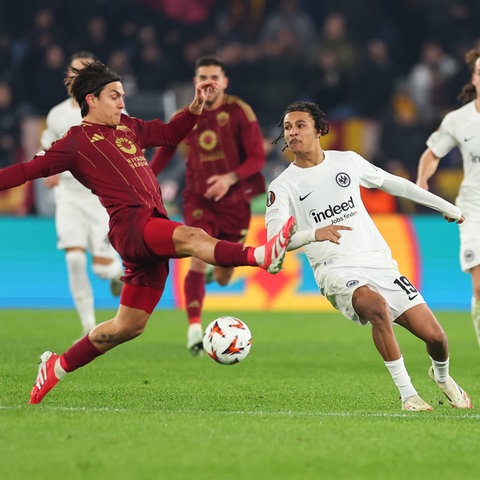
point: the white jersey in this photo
(461, 128)
(329, 193)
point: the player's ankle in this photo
(256, 256)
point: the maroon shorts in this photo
(225, 221)
(144, 241)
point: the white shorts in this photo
(82, 221)
(338, 284)
(469, 244)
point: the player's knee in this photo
(222, 276)
(438, 340)
(223, 282)
(187, 239)
(197, 234)
(76, 260)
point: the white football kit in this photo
(80, 218)
(329, 193)
(461, 128)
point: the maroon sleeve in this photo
(155, 133)
(40, 166)
(12, 176)
(252, 143)
(55, 160)
(161, 158)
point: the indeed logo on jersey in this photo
(344, 209)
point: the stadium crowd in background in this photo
(397, 66)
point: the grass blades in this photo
(312, 401)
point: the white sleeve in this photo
(278, 210)
(400, 187)
(442, 141)
(299, 239)
(48, 135)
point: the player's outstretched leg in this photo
(276, 247)
(47, 378)
(457, 397)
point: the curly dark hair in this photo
(318, 115)
(468, 92)
(92, 78)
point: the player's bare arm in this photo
(202, 91)
(427, 166)
(331, 233)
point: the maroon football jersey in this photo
(224, 140)
(110, 162)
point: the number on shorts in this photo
(405, 284)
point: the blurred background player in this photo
(224, 160)
(461, 128)
(80, 219)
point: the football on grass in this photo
(227, 340)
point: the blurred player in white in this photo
(352, 263)
(80, 219)
(461, 128)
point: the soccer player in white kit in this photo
(352, 263)
(461, 128)
(81, 220)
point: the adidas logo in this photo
(96, 137)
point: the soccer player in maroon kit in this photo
(105, 154)
(224, 160)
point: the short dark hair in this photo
(82, 54)
(469, 92)
(208, 61)
(92, 78)
(318, 115)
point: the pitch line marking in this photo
(283, 413)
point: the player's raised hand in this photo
(330, 233)
(456, 220)
(202, 91)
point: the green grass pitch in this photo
(313, 400)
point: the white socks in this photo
(441, 370)
(259, 254)
(80, 288)
(401, 378)
(476, 317)
(58, 370)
